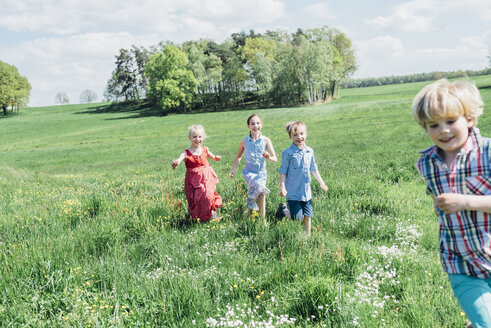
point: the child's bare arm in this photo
(318, 177)
(270, 154)
(216, 158)
(237, 159)
(283, 191)
(451, 203)
(175, 163)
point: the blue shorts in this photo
(474, 296)
(299, 209)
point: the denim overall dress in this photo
(254, 171)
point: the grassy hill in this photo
(93, 230)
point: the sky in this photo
(70, 45)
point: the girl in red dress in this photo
(201, 180)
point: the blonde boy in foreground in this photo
(457, 172)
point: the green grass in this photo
(93, 230)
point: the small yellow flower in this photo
(462, 314)
(258, 296)
(235, 286)
(429, 274)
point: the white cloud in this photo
(319, 10)
(386, 55)
(145, 16)
(416, 15)
(423, 15)
(381, 46)
(69, 63)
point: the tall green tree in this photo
(128, 81)
(14, 88)
(345, 60)
(171, 84)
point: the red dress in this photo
(200, 186)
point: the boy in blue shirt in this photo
(297, 163)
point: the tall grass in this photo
(93, 231)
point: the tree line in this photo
(14, 88)
(420, 77)
(269, 69)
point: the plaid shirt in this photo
(465, 236)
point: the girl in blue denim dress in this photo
(256, 148)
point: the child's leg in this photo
(307, 215)
(306, 224)
(474, 296)
(261, 203)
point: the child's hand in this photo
(451, 203)
(265, 154)
(283, 192)
(324, 187)
(217, 158)
(231, 174)
(174, 164)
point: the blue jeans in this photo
(474, 296)
(299, 209)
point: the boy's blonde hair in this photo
(445, 99)
(198, 128)
(293, 126)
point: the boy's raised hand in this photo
(174, 164)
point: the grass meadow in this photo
(93, 230)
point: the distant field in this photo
(93, 230)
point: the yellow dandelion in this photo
(462, 313)
(258, 296)
(235, 286)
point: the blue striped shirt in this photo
(465, 236)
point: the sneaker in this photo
(280, 213)
(215, 217)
